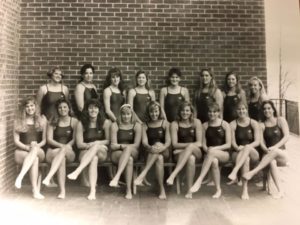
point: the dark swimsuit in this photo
(202, 106)
(254, 110)
(230, 104)
(63, 134)
(94, 134)
(88, 93)
(215, 136)
(172, 103)
(49, 100)
(272, 135)
(244, 135)
(140, 103)
(126, 136)
(116, 101)
(186, 134)
(31, 135)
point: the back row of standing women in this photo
(186, 140)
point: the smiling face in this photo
(141, 79)
(30, 108)
(242, 111)
(206, 77)
(174, 79)
(213, 113)
(268, 110)
(57, 76)
(186, 113)
(93, 111)
(231, 81)
(154, 113)
(126, 115)
(63, 109)
(115, 80)
(254, 86)
(88, 75)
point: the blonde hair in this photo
(261, 85)
(133, 115)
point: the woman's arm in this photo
(131, 95)
(19, 144)
(79, 98)
(227, 143)
(174, 137)
(44, 128)
(106, 100)
(204, 145)
(152, 95)
(73, 125)
(243, 97)
(162, 95)
(256, 131)
(186, 94)
(167, 143)
(50, 139)
(233, 140)
(113, 137)
(106, 127)
(262, 140)
(198, 133)
(79, 137)
(137, 135)
(66, 91)
(219, 100)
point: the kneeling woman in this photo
(29, 138)
(156, 140)
(216, 143)
(275, 132)
(245, 138)
(60, 136)
(126, 137)
(186, 137)
(92, 138)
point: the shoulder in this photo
(79, 87)
(197, 122)
(184, 90)
(132, 92)
(114, 126)
(233, 124)
(261, 125)
(166, 124)
(43, 120)
(205, 125)
(218, 92)
(163, 90)
(106, 123)
(264, 97)
(74, 121)
(253, 123)
(225, 124)
(107, 91)
(281, 121)
(43, 89)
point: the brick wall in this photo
(132, 34)
(9, 53)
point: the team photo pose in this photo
(245, 138)
(186, 137)
(29, 138)
(156, 140)
(92, 139)
(60, 138)
(140, 96)
(173, 95)
(114, 93)
(126, 136)
(207, 93)
(51, 92)
(275, 133)
(216, 145)
(85, 89)
(233, 93)
(257, 95)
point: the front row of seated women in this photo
(97, 140)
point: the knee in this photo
(130, 161)
(215, 164)
(191, 161)
(160, 160)
(95, 159)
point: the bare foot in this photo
(46, 182)
(146, 182)
(240, 183)
(72, 176)
(52, 184)
(248, 176)
(114, 183)
(18, 183)
(232, 182)
(217, 194)
(245, 196)
(62, 195)
(210, 183)
(232, 176)
(162, 194)
(38, 195)
(138, 181)
(195, 187)
(128, 195)
(189, 195)
(91, 196)
(170, 181)
(278, 195)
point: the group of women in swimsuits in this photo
(130, 125)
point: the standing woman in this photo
(126, 136)
(85, 89)
(140, 96)
(60, 136)
(275, 133)
(114, 93)
(186, 137)
(173, 95)
(257, 95)
(245, 138)
(51, 92)
(233, 93)
(207, 93)
(30, 137)
(92, 138)
(156, 140)
(216, 143)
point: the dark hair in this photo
(54, 121)
(273, 107)
(172, 71)
(182, 106)
(52, 70)
(147, 85)
(84, 68)
(238, 87)
(85, 114)
(114, 71)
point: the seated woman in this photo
(245, 138)
(216, 143)
(92, 138)
(60, 136)
(126, 137)
(186, 137)
(30, 137)
(275, 133)
(156, 140)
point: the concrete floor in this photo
(17, 207)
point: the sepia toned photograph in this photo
(149, 112)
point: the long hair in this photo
(151, 106)
(20, 118)
(133, 115)
(272, 106)
(147, 85)
(84, 68)
(261, 85)
(238, 86)
(85, 114)
(114, 71)
(212, 87)
(181, 107)
(54, 121)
